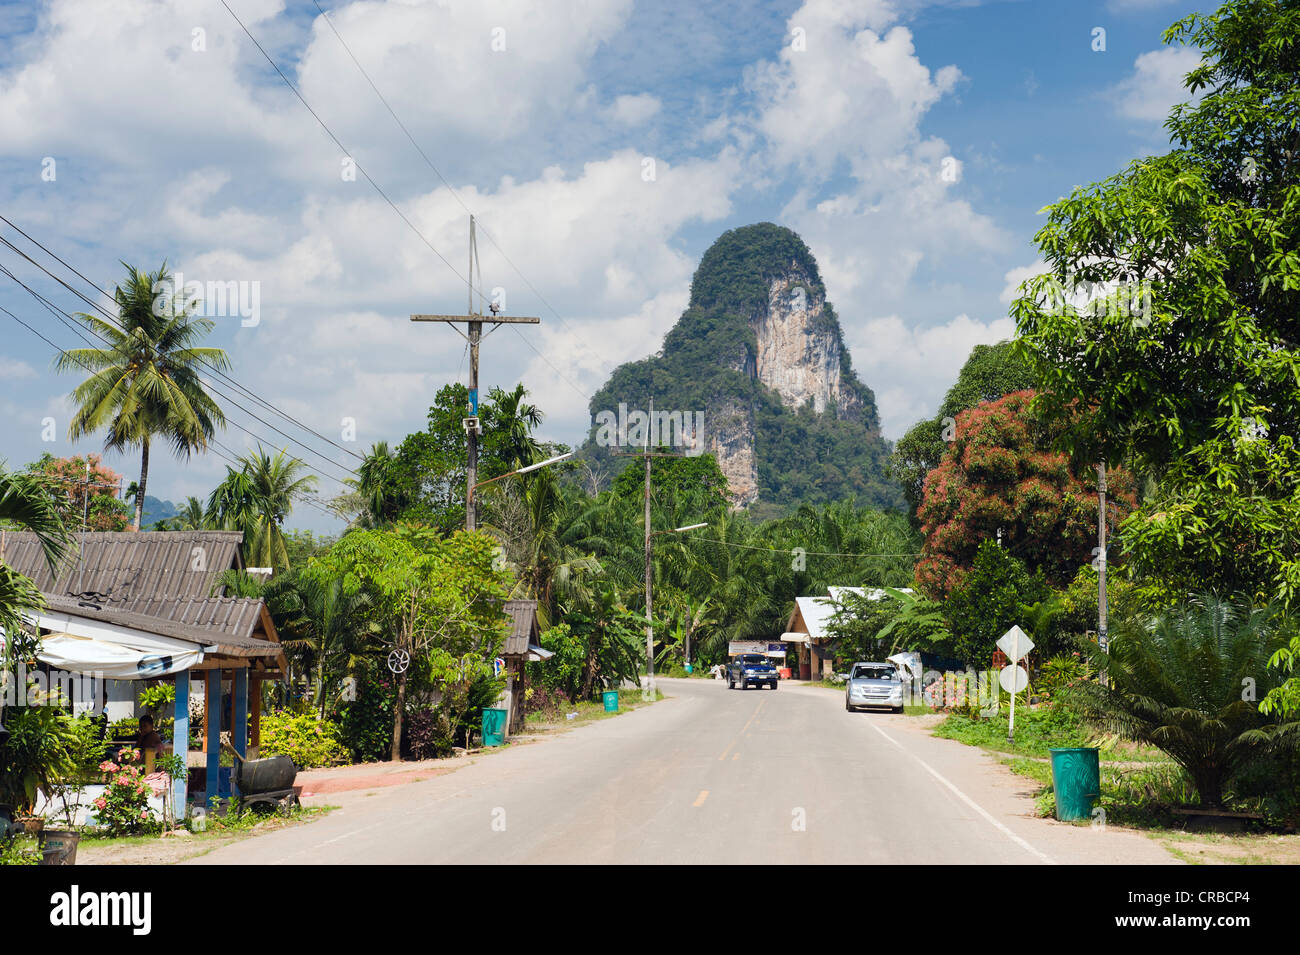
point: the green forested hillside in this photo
(707, 363)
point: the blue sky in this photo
(172, 138)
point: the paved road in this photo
(708, 775)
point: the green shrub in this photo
(21, 850)
(304, 737)
(366, 723)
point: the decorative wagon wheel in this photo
(399, 661)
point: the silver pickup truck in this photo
(751, 669)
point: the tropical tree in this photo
(437, 600)
(379, 496)
(1164, 327)
(1186, 681)
(1000, 474)
(529, 519)
(256, 499)
(331, 626)
(144, 384)
(426, 481)
(84, 490)
(990, 372)
(598, 646)
(192, 517)
(26, 503)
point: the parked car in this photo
(874, 684)
(751, 669)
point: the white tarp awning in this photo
(94, 647)
(791, 637)
(115, 659)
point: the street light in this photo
(523, 470)
(678, 530)
(649, 603)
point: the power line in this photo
(210, 384)
(787, 552)
(215, 370)
(224, 456)
(467, 280)
(346, 152)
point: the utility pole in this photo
(474, 322)
(649, 614)
(647, 454)
(1102, 610)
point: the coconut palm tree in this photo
(27, 504)
(256, 499)
(144, 383)
(530, 524)
(378, 498)
(192, 516)
(514, 419)
(1179, 681)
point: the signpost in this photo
(1015, 643)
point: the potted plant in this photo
(37, 752)
(156, 698)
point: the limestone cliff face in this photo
(799, 354)
(760, 354)
(729, 437)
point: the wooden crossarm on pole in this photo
(488, 319)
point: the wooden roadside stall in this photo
(135, 606)
(521, 647)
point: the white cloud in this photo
(855, 99)
(214, 164)
(13, 369)
(1156, 84)
(1014, 277)
(635, 110)
(912, 368)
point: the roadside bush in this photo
(428, 734)
(993, 597)
(366, 723)
(1060, 672)
(1177, 679)
(21, 850)
(304, 737)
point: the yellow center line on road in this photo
(699, 800)
(761, 704)
(727, 750)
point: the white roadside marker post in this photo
(1015, 643)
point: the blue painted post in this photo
(181, 740)
(213, 719)
(239, 731)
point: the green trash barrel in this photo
(1076, 778)
(494, 726)
(611, 700)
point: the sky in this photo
(602, 145)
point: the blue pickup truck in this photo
(751, 669)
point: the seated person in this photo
(148, 741)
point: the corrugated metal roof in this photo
(522, 617)
(225, 622)
(157, 581)
(130, 570)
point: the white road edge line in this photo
(966, 799)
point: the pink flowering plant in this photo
(123, 809)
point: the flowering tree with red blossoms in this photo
(1000, 471)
